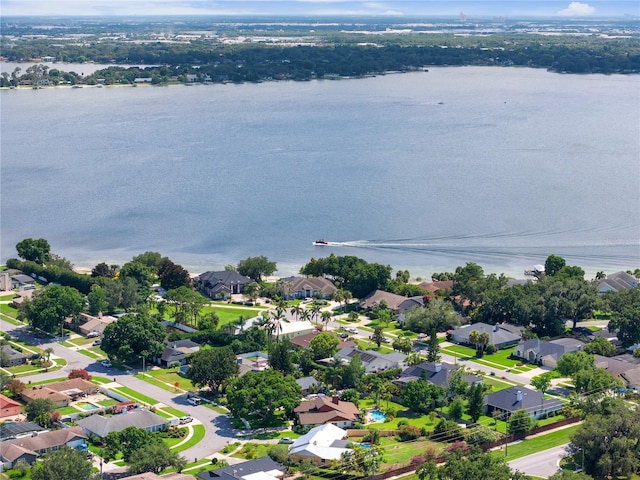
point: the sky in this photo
(399, 8)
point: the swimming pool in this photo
(86, 406)
(377, 416)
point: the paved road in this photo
(542, 464)
(218, 427)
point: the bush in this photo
(447, 431)
(491, 349)
(409, 432)
(402, 423)
(481, 435)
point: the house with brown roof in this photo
(377, 297)
(26, 450)
(60, 393)
(94, 324)
(436, 286)
(307, 287)
(8, 407)
(322, 410)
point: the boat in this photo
(320, 242)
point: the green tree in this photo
(155, 457)
(520, 421)
(153, 260)
(64, 464)
(39, 411)
(252, 291)
(475, 406)
(186, 304)
(475, 465)
(541, 382)
(600, 346)
(256, 267)
(280, 356)
(625, 321)
(140, 272)
(433, 347)
(482, 434)
(97, 300)
(421, 396)
(553, 264)
(38, 250)
(456, 408)
(353, 372)
(377, 336)
(104, 270)
(128, 441)
(133, 336)
(595, 380)
(608, 442)
(263, 393)
(403, 344)
(51, 305)
(569, 475)
(173, 275)
(324, 345)
(213, 367)
(570, 363)
(438, 314)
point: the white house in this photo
(320, 444)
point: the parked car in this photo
(351, 330)
(285, 440)
(194, 401)
(343, 335)
(105, 363)
(35, 356)
(93, 334)
(97, 343)
(185, 419)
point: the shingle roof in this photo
(319, 442)
(102, 426)
(295, 284)
(507, 400)
(392, 300)
(244, 469)
(42, 441)
(497, 333)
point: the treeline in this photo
(216, 62)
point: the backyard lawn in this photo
(401, 453)
(499, 360)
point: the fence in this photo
(533, 431)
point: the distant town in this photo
(145, 371)
(193, 50)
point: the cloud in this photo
(577, 9)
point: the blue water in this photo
(422, 171)
(377, 416)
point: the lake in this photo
(423, 171)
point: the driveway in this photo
(541, 464)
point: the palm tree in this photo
(296, 310)
(315, 309)
(326, 318)
(47, 354)
(474, 338)
(306, 315)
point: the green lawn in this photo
(249, 451)
(4, 298)
(369, 345)
(139, 397)
(500, 359)
(90, 354)
(537, 444)
(171, 376)
(173, 411)
(9, 311)
(198, 436)
(401, 453)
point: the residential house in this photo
(304, 341)
(223, 284)
(140, 418)
(259, 469)
(507, 401)
(21, 296)
(252, 362)
(437, 286)
(13, 430)
(321, 445)
(177, 351)
(155, 476)
(306, 287)
(380, 297)
(322, 410)
(501, 335)
(97, 324)
(26, 450)
(371, 360)
(436, 373)
(616, 282)
(5, 282)
(61, 393)
(22, 282)
(290, 330)
(10, 357)
(625, 367)
(546, 353)
(308, 385)
(410, 303)
(9, 407)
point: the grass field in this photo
(133, 395)
(400, 453)
(537, 444)
(499, 360)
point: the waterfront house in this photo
(616, 282)
(221, 284)
(307, 287)
(379, 298)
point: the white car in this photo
(194, 401)
(105, 363)
(93, 334)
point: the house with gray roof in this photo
(546, 353)
(501, 335)
(308, 384)
(177, 351)
(371, 360)
(377, 297)
(140, 418)
(507, 401)
(624, 367)
(616, 282)
(306, 287)
(222, 284)
(11, 357)
(436, 373)
(259, 469)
